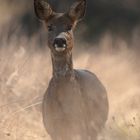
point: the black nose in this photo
(60, 43)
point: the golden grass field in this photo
(24, 77)
(25, 70)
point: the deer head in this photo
(60, 26)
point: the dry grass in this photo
(24, 76)
(23, 80)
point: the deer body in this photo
(75, 108)
(75, 105)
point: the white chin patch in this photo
(59, 49)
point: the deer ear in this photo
(78, 9)
(42, 9)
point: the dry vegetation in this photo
(24, 76)
(25, 70)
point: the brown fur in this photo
(75, 105)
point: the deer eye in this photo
(69, 27)
(50, 28)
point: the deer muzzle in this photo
(60, 43)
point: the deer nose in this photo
(60, 44)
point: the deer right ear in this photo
(78, 9)
(42, 9)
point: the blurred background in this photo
(107, 42)
(119, 17)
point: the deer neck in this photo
(62, 65)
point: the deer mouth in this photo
(60, 49)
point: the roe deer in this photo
(75, 106)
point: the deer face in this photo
(60, 26)
(60, 33)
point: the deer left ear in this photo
(78, 10)
(42, 9)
